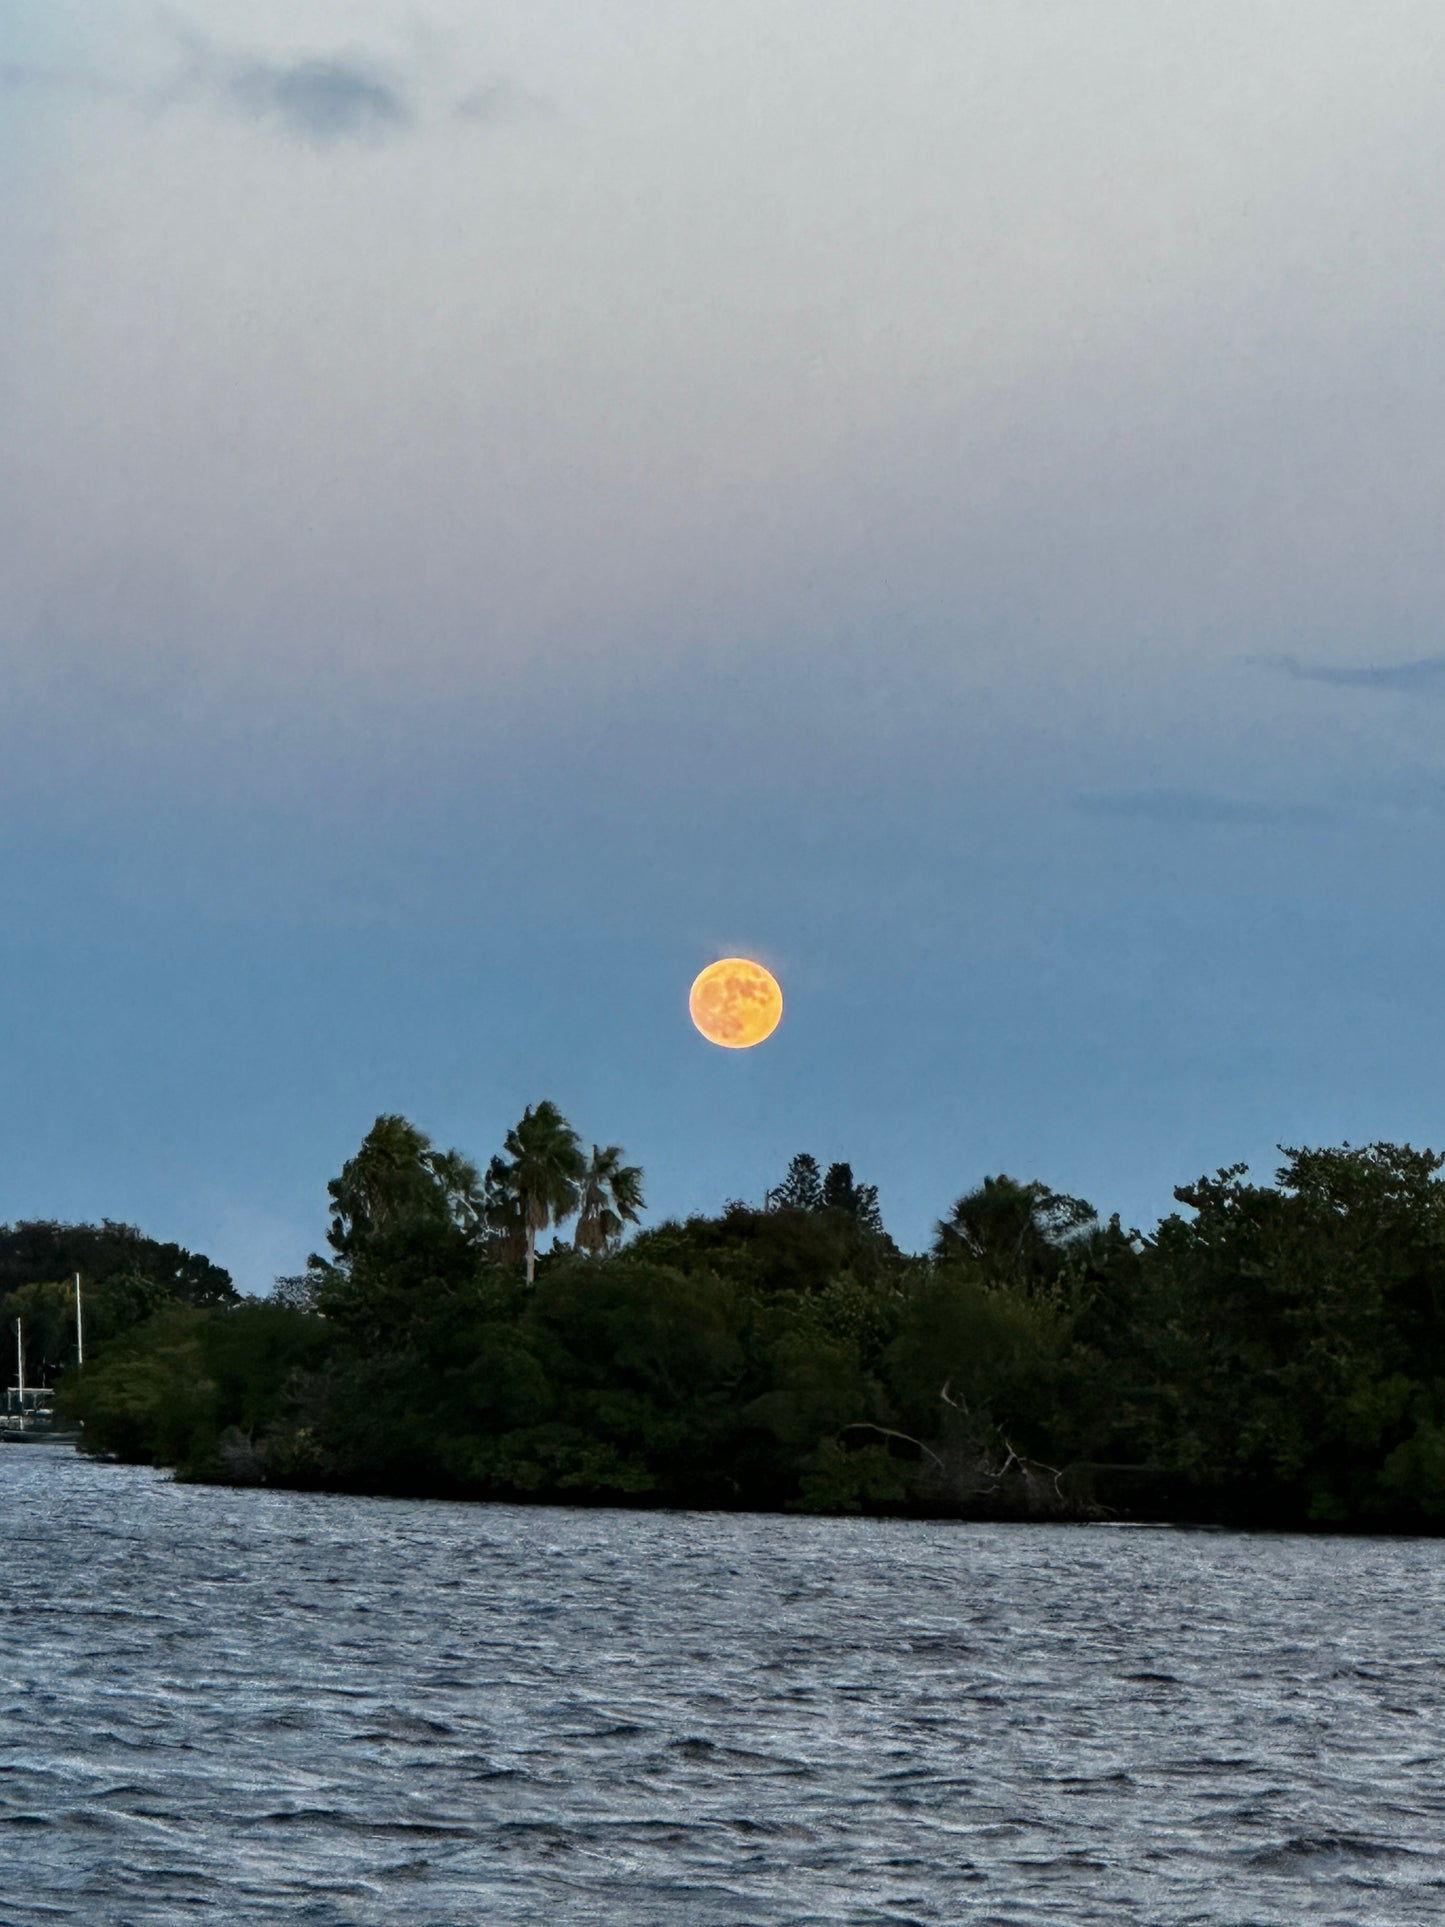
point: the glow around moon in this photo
(735, 1003)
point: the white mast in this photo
(79, 1338)
(20, 1364)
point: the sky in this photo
(502, 506)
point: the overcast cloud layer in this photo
(496, 505)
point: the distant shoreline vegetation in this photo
(1269, 1355)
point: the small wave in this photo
(1304, 1850)
(407, 1726)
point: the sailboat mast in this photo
(20, 1364)
(79, 1336)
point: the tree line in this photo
(1269, 1354)
(127, 1277)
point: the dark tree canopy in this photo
(1017, 1234)
(399, 1180)
(37, 1250)
(125, 1278)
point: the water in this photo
(257, 1706)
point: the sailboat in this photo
(29, 1412)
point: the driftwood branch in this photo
(887, 1432)
(958, 1404)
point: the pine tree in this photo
(802, 1188)
(858, 1201)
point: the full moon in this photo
(735, 1003)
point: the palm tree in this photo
(502, 1214)
(611, 1195)
(545, 1172)
(461, 1186)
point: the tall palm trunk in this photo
(544, 1173)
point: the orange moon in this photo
(735, 1003)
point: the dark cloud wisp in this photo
(318, 100)
(1424, 674)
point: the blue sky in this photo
(499, 507)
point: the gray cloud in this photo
(1425, 674)
(318, 100)
(1204, 809)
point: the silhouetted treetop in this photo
(1017, 1234)
(857, 1201)
(35, 1250)
(802, 1185)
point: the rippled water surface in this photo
(260, 1706)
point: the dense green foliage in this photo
(126, 1277)
(1270, 1354)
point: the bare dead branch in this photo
(884, 1431)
